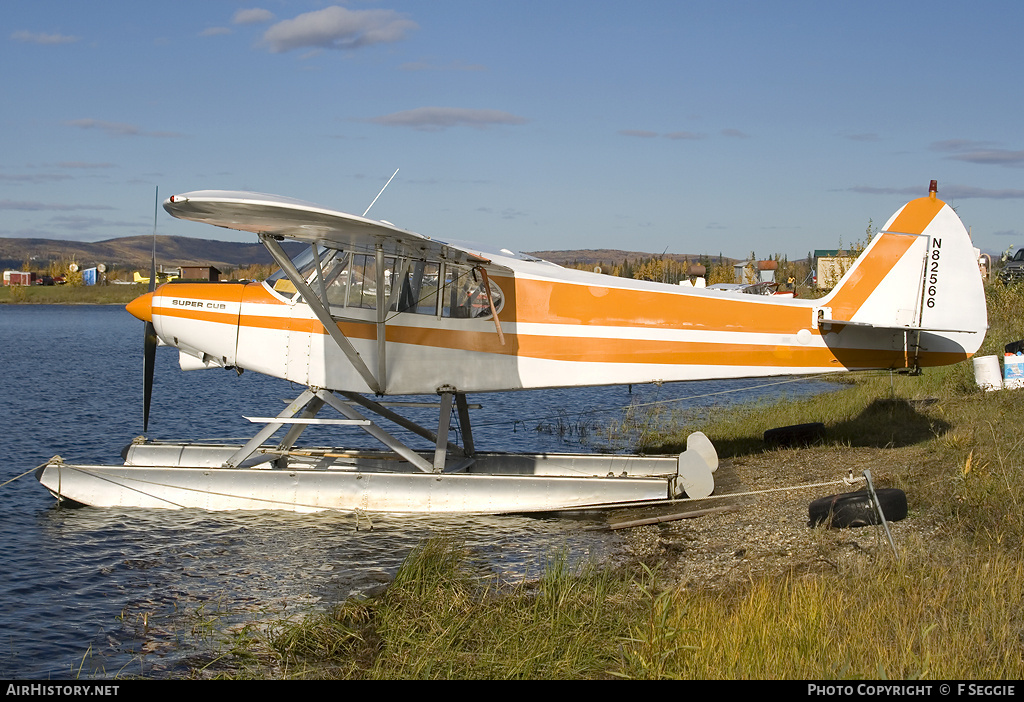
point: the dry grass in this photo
(70, 294)
(440, 620)
(927, 615)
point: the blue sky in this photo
(692, 127)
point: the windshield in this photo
(302, 262)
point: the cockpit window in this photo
(304, 263)
(466, 295)
(409, 285)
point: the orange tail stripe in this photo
(917, 215)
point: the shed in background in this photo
(204, 273)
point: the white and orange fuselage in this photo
(370, 308)
(914, 298)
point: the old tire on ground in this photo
(854, 509)
(795, 435)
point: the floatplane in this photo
(369, 310)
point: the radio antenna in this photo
(152, 261)
(382, 190)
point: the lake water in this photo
(97, 593)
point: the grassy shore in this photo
(70, 294)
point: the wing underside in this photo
(303, 221)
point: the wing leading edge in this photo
(307, 222)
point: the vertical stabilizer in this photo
(919, 273)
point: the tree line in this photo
(717, 269)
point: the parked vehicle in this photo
(1013, 268)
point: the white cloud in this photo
(438, 118)
(117, 128)
(41, 38)
(992, 157)
(254, 15)
(876, 190)
(33, 177)
(645, 134)
(338, 28)
(965, 192)
(46, 207)
(959, 145)
(949, 192)
(452, 66)
(980, 152)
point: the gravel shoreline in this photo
(767, 533)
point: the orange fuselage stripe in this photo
(585, 349)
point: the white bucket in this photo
(986, 373)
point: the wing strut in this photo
(490, 301)
(382, 311)
(409, 425)
(320, 311)
(302, 412)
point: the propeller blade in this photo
(152, 261)
(149, 343)
(148, 361)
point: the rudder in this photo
(919, 273)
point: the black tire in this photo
(795, 435)
(854, 509)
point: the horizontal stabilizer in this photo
(894, 327)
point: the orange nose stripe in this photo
(142, 307)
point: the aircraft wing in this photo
(307, 222)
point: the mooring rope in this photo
(842, 481)
(55, 459)
(848, 481)
(749, 493)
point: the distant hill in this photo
(136, 251)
